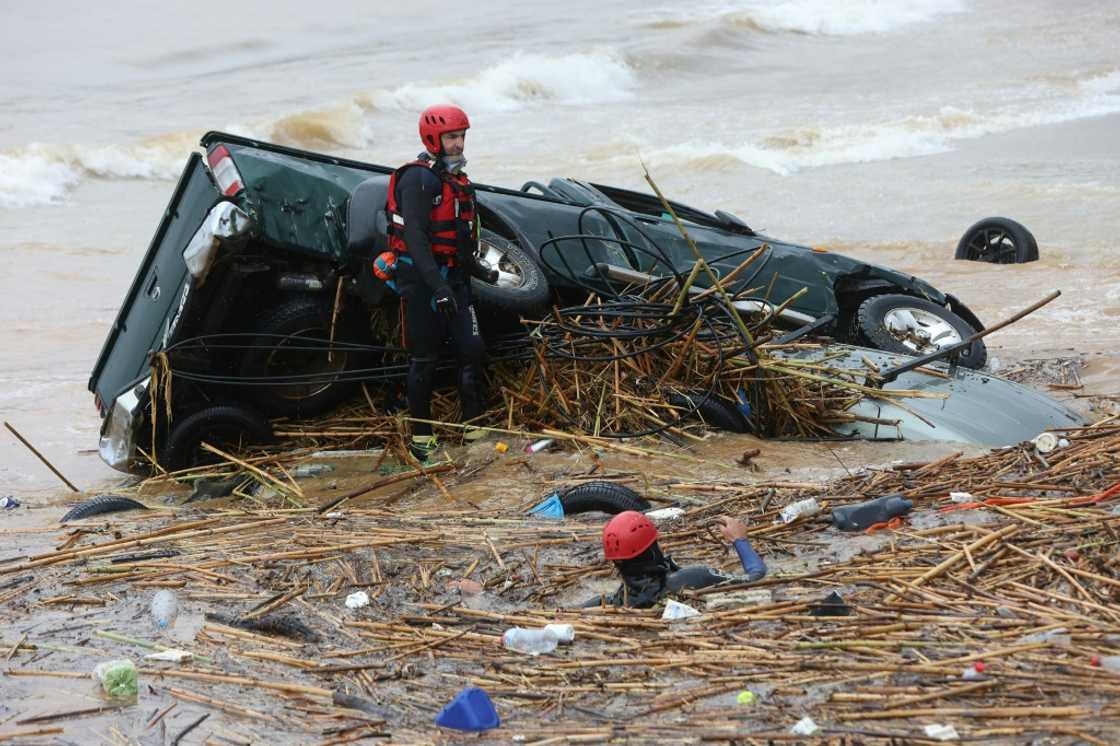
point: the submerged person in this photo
(433, 230)
(630, 541)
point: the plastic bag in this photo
(117, 677)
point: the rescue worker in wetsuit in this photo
(630, 541)
(433, 230)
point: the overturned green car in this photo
(264, 247)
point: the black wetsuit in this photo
(650, 576)
(420, 277)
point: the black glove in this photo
(444, 302)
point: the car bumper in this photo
(118, 432)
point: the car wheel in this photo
(606, 497)
(714, 410)
(521, 286)
(997, 241)
(223, 426)
(915, 326)
(100, 505)
(293, 342)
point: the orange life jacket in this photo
(452, 215)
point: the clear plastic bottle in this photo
(537, 641)
(793, 511)
(164, 608)
(1110, 663)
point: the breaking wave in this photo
(817, 17)
(795, 150)
(523, 79)
(41, 174)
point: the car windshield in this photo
(648, 204)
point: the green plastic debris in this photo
(117, 677)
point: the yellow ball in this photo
(745, 697)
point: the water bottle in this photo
(562, 632)
(537, 641)
(862, 515)
(793, 511)
(1108, 662)
(164, 608)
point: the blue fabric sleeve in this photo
(752, 563)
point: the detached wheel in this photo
(226, 426)
(915, 326)
(521, 287)
(997, 241)
(292, 347)
(606, 497)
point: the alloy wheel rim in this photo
(919, 330)
(509, 274)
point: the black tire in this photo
(714, 410)
(298, 322)
(873, 316)
(605, 497)
(997, 241)
(522, 288)
(99, 505)
(224, 426)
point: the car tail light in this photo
(224, 170)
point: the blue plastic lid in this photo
(471, 710)
(550, 507)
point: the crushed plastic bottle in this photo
(804, 727)
(7, 502)
(164, 608)
(537, 641)
(1107, 662)
(793, 511)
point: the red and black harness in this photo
(452, 215)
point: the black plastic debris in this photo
(832, 605)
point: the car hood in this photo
(978, 407)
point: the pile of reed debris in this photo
(1024, 578)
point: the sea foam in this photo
(818, 17)
(788, 151)
(521, 81)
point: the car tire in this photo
(714, 410)
(221, 426)
(997, 241)
(522, 286)
(299, 316)
(604, 497)
(892, 323)
(100, 505)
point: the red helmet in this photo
(436, 120)
(627, 535)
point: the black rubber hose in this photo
(100, 505)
